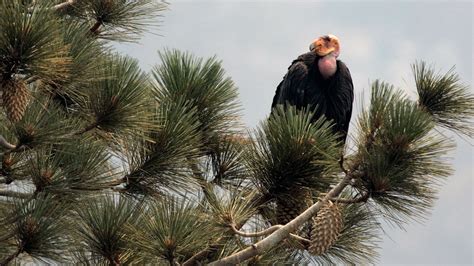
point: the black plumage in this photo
(304, 87)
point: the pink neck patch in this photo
(327, 65)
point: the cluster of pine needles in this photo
(102, 163)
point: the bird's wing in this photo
(347, 94)
(291, 88)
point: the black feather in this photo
(304, 87)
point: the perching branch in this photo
(279, 235)
(4, 143)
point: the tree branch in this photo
(204, 253)
(341, 164)
(87, 128)
(362, 198)
(4, 143)
(269, 231)
(283, 232)
(256, 234)
(64, 5)
(95, 28)
(200, 255)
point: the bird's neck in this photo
(327, 65)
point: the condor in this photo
(319, 81)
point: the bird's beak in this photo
(312, 47)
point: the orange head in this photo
(325, 45)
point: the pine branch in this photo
(362, 198)
(206, 252)
(282, 233)
(95, 28)
(201, 255)
(87, 128)
(256, 234)
(267, 232)
(4, 143)
(64, 5)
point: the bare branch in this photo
(64, 5)
(341, 164)
(4, 143)
(269, 231)
(283, 232)
(306, 242)
(256, 234)
(86, 129)
(201, 255)
(362, 198)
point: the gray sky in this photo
(257, 40)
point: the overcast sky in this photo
(257, 40)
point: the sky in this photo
(257, 40)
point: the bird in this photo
(319, 81)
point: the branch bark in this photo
(201, 255)
(269, 231)
(95, 28)
(362, 198)
(257, 234)
(64, 5)
(86, 129)
(4, 143)
(283, 232)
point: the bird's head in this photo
(325, 45)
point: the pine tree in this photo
(102, 163)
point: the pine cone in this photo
(327, 227)
(293, 205)
(15, 98)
